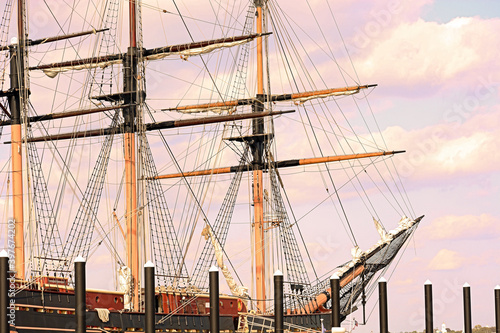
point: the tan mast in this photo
(258, 191)
(130, 85)
(16, 102)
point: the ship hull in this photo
(39, 311)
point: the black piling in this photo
(382, 293)
(214, 299)
(335, 288)
(497, 308)
(149, 309)
(4, 292)
(429, 316)
(278, 302)
(467, 309)
(80, 295)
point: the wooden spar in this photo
(272, 98)
(258, 188)
(56, 38)
(198, 45)
(325, 296)
(150, 52)
(157, 126)
(130, 84)
(66, 114)
(280, 164)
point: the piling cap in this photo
(497, 287)
(466, 285)
(278, 272)
(149, 264)
(382, 279)
(79, 259)
(428, 282)
(4, 254)
(213, 269)
(334, 276)
(338, 330)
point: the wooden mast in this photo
(16, 103)
(130, 88)
(258, 161)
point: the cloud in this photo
(424, 54)
(446, 260)
(443, 151)
(452, 227)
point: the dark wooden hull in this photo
(54, 312)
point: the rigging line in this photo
(344, 116)
(337, 125)
(201, 58)
(331, 194)
(161, 10)
(385, 269)
(383, 140)
(299, 230)
(343, 41)
(195, 199)
(68, 172)
(321, 152)
(407, 201)
(328, 44)
(404, 190)
(390, 190)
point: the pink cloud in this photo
(427, 53)
(441, 151)
(446, 260)
(452, 227)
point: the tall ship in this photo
(190, 134)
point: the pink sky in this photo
(438, 98)
(439, 93)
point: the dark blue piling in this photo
(497, 308)
(4, 292)
(278, 302)
(335, 289)
(429, 316)
(467, 309)
(382, 292)
(80, 295)
(214, 299)
(149, 291)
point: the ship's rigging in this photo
(244, 124)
